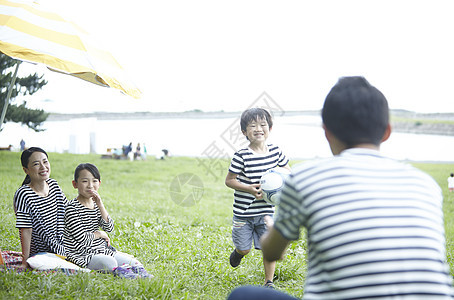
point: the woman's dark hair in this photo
(25, 157)
(90, 168)
(254, 114)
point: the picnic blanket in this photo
(48, 263)
(10, 259)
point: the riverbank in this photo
(166, 115)
(401, 120)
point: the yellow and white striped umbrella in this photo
(29, 32)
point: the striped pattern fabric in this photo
(32, 33)
(250, 166)
(45, 215)
(80, 224)
(374, 226)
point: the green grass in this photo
(185, 247)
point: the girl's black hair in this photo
(90, 168)
(25, 157)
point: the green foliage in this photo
(186, 248)
(33, 118)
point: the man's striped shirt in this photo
(375, 228)
(250, 166)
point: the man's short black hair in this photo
(356, 112)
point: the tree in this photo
(29, 85)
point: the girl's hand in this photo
(102, 235)
(96, 197)
(256, 191)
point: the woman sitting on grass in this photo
(39, 205)
(86, 245)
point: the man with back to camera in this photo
(375, 227)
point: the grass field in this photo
(185, 245)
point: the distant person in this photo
(87, 246)
(451, 182)
(246, 168)
(374, 225)
(39, 205)
(144, 152)
(127, 149)
(137, 154)
(164, 154)
(22, 145)
(117, 153)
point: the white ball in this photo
(272, 182)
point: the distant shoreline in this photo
(165, 115)
(401, 120)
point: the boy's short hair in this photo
(356, 112)
(254, 114)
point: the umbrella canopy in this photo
(29, 32)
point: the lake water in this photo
(301, 137)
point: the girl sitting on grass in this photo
(86, 245)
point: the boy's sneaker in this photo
(235, 258)
(269, 284)
(141, 272)
(125, 271)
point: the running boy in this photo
(246, 169)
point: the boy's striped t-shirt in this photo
(250, 166)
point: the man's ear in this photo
(335, 145)
(387, 133)
(328, 134)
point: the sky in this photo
(222, 55)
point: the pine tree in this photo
(29, 85)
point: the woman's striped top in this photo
(374, 226)
(80, 224)
(45, 215)
(250, 166)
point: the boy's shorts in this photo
(246, 229)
